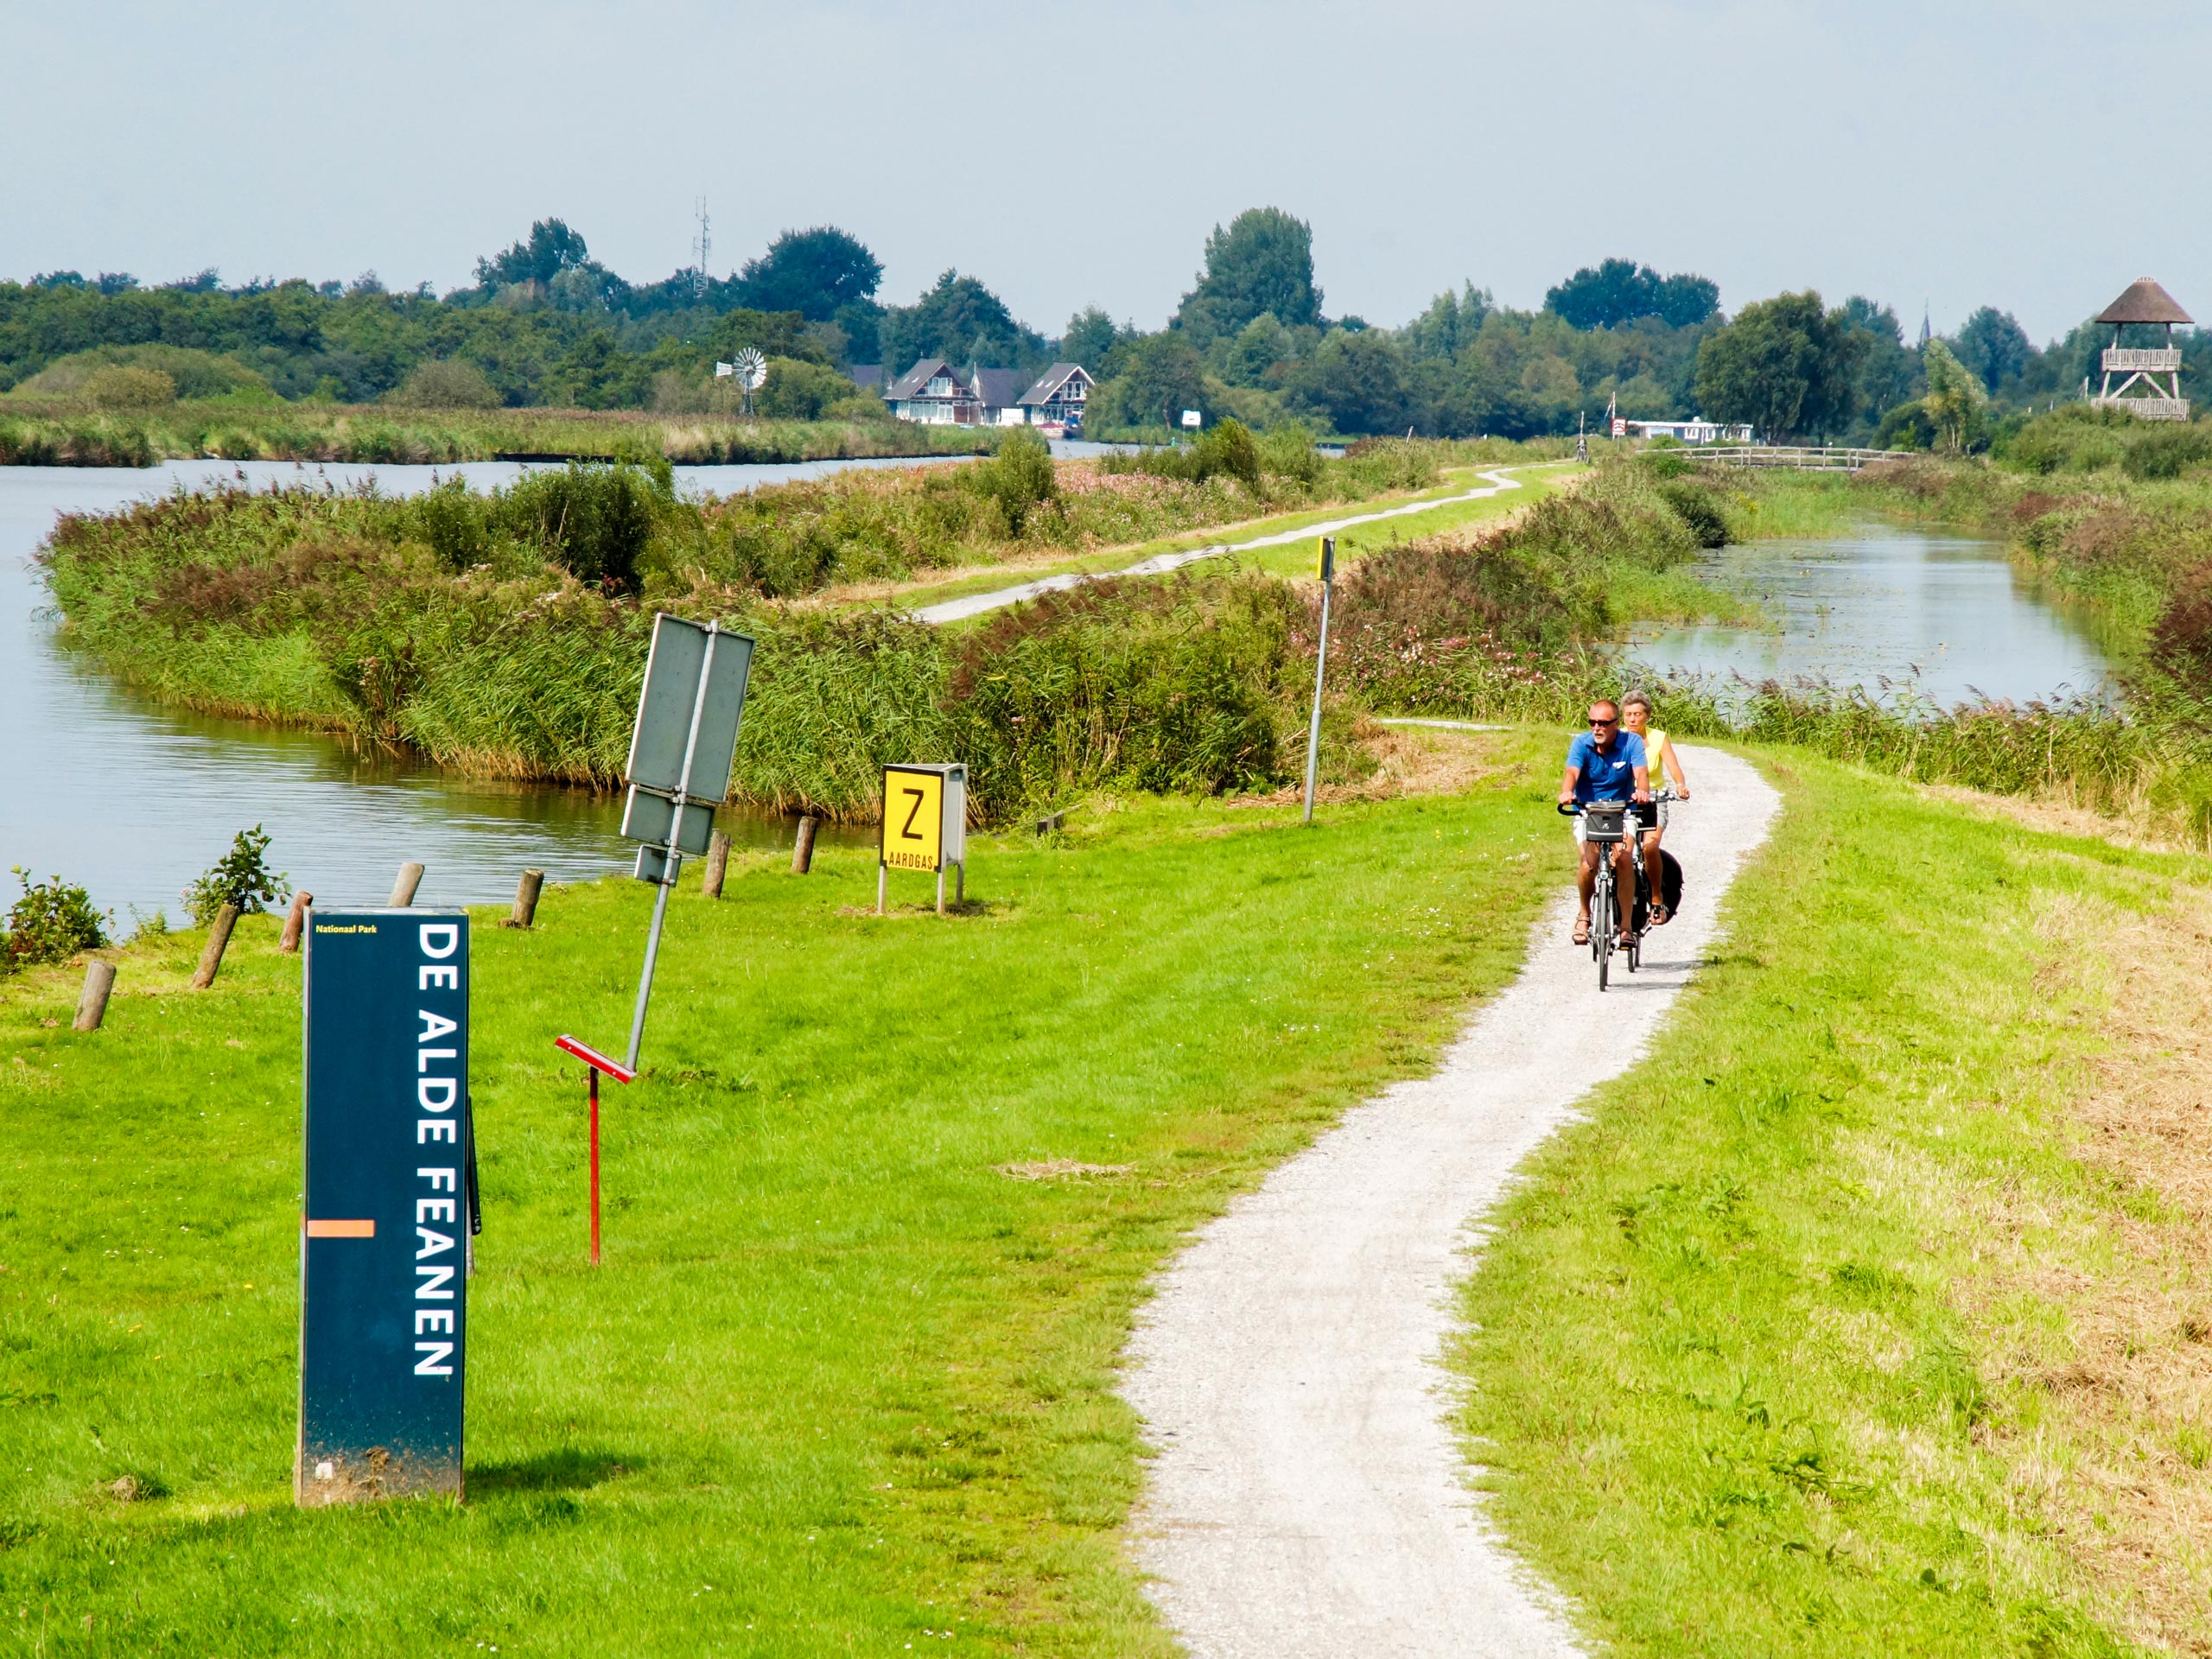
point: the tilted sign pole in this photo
(387, 1205)
(1320, 671)
(675, 854)
(680, 754)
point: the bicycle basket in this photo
(1603, 821)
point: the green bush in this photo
(2167, 451)
(119, 387)
(1694, 505)
(240, 877)
(51, 922)
(1020, 477)
(799, 390)
(449, 383)
(594, 519)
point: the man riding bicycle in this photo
(1604, 763)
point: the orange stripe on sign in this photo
(341, 1229)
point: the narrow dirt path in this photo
(952, 610)
(1308, 1496)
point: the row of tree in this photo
(546, 323)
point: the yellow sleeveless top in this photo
(1655, 741)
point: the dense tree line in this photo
(544, 322)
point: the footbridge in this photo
(1825, 458)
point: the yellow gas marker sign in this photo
(913, 819)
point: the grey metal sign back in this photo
(680, 756)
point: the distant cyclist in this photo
(1659, 754)
(1604, 763)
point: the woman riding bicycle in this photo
(1635, 717)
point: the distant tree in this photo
(53, 279)
(959, 320)
(1621, 291)
(1451, 321)
(1888, 374)
(800, 392)
(446, 383)
(204, 282)
(1956, 401)
(1161, 378)
(1356, 380)
(813, 272)
(1684, 301)
(1263, 262)
(1784, 365)
(1262, 348)
(1993, 347)
(550, 248)
(1089, 340)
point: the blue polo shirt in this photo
(1608, 775)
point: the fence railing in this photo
(1823, 458)
(2141, 359)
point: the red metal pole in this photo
(595, 1169)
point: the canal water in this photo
(1902, 612)
(132, 800)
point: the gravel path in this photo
(1308, 1496)
(952, 610)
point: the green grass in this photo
(841, 1384)
(1294, 560)
(48, 433)
(1724, 1366)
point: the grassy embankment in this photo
(507, 634)
(877, 1217)
(1869, 1314)
(62, 434)
(1449, 515)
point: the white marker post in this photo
(1328, 565)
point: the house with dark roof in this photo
(1057, 398)
(935, 393)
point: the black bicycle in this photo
(1607, 824)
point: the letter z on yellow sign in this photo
(913, 819)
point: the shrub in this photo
(799, 390)
(120, 387)
(1020, 477)
(240, 877)
(1694, 505)
(594, 519)
(1289, 452)
(51, 922)
(1228, 450)
(2167, 452)
(449, 383)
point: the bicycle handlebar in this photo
(1574, 809)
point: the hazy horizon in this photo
(1070, 158)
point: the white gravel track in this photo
(1307, 1496)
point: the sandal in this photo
(1582, 931)
(1659, 915)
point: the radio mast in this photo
(701, 245)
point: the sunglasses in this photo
(1605, 722)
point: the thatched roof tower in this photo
(2144, 303)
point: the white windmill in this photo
(749, 369)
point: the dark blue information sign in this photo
(383, 1258)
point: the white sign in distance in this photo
(1190, 417)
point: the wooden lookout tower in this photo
(2160, 399)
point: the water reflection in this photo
(1947, 615)
(134, 800)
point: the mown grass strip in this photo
(876, 1220)
(1730, 1369)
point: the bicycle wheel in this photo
(1601, 932)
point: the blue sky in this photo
(2027, 155)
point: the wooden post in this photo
(218, 940)
(402, 890)
(960, 883)
(882, 881)
(940, 889)
(803, 849)
(526, 891)
(92, 1002)
(294, 919)
(717, 866)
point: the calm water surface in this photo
(1947, 616)
(133, 800)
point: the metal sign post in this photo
(1328, 570)
(389, 1204)
(924, 828)
(614, 1069)
(680, 754)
